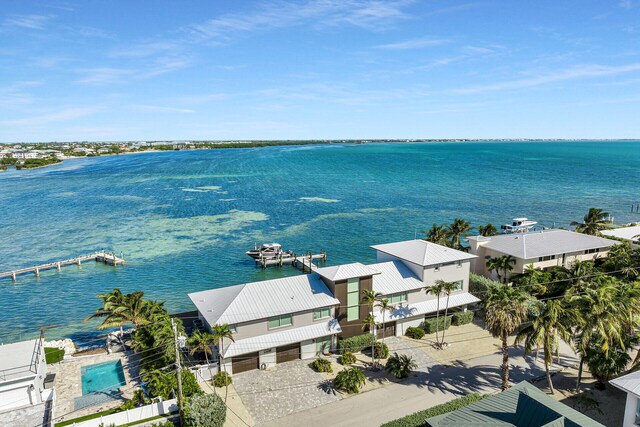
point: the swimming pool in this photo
(102, 377)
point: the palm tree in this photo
(458, 229)
(594, 221)
(599, 316)
(437, 234)
(201, 342)
(384, 305)
(493, 264)
(220, 333)
(370, 297)
(400, 366)
(110, 302)
(447, 288)
(118, 310)
(436, 289)
(554, 323)
(487, 230)
(505, 310)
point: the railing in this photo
(131, 415)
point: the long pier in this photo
(303, 262)
(103, 257)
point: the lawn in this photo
(53, 354)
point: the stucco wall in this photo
(384, 257)
(448, 273)
(268, 357)
(402, 325)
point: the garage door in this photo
(245, 362)
(390, 330)
(288, 353)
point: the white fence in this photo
(131, 415)
(204, 372)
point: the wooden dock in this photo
(103, 257)
(303, 262)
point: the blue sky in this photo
(132, 70)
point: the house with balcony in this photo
(541, 249)
(24, 398)
(299, 317)
(272, 321)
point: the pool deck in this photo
(68, 384)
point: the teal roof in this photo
(523, 405)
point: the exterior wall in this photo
(17, 394)
(268, 357)
(418, 295)
(402, 325)
(630, 409)
(418, 270)
(308, 349)
(226, 366)
(354, 327)
(448, 273)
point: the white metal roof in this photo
(423, 253)
(542, 243)
(18, 360)
(346, 271)
(629, 383)
(394, 277)
(627, 233)
(425, 307)
(260, 300)
(280, 338)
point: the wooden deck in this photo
(103, 257)
(303, 262)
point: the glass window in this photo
(353, 299)
(233, 329)
(323, 344)
(280, 321)
(353, 313)
(321, 313)
(459, 285)
(638, 411)
(353, 285)
(401, 297)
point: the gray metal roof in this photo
(402, 311)
(629, 383)
(542, 243)
(523, 405)
(18, 360)
(260, 300)
(346, 271)
(423, 253)
(280, 338)
(627, 233)
(394, 277)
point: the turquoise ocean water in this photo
(183, 220)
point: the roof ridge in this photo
(243, 286)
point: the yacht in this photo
(519, 225)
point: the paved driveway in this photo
(404, 346)
(287, 388)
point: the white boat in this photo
(519, 225)
(266, 250)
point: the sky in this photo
(326, 69)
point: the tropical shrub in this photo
(351, 380)
(415, 333)
(162, 384)
(430, 324)
(381, 350)
(321, 365)
(354, 344)
(400, 366)
(417, 419)
(221, 379)
(479, 286)
(139, 399)
(206, 410)
(462, 318)
(604, 366)
(347, 358)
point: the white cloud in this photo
(413, 44)
(160, 109)
(33, 22)
(58, 116)
(579, 72)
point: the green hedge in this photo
(347, 358)
(415, 333)
(417, 419)
(321, 365)
(53, 354)
(354, 344)
(462, 318)
(222, 379)
(205, 410)
(430, 324)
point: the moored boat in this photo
(519, 225)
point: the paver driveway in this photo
(287, 388)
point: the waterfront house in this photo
(24, 154)
(630, 384)
(23, 369)
(299, 317)
(272, 321)
(542, 249)
(522, 405)
(630, 234)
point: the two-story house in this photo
(542, 249)
(298, 317)
(23, 369)
(272, 321)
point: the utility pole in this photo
(179, 371)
